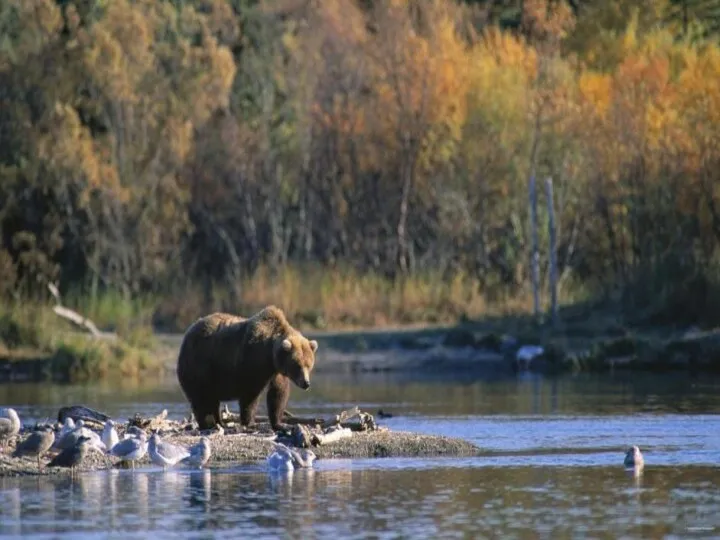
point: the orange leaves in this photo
(547, 22)
(420, 75)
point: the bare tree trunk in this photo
(553, 251)
(534, 255)
(402, 222)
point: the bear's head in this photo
(295, 358)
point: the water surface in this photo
(551, 466)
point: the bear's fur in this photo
(225, 357)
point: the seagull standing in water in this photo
(164, 453)
(199, 454)
(287, 459)
(131, 449)
(9, 424)
(36, 444)
(110, 435)
(634, 458)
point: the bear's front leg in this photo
(277, 398)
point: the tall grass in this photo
(313, 297)
(34, 331)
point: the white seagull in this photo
(110, 435)
(283, 458)
(9, 424)
(199, 454)
(131, 449)
(164, 453)
(634, 458)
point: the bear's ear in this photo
(313, 345)
(287, 345)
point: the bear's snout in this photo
(304, 384)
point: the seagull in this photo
(527, 353)
(73, 456)
(67, 427)
(9, 424)
(36, 444)
(131, 448)
(110, 435)
(199, 454)
(280, 459)
(287, 459)
(71, 437)
(165, 453)
(634, 458)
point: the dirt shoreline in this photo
(228, 449)
(479, 347)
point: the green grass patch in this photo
(83, 358)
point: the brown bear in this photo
(225, 357)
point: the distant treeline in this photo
(154, 146)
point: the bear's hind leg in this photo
(277, 399)
(206, 413)
(247, 411)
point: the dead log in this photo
(156, 422)
(70, 315)
(366, 422)
(332, 436)
(77, 319)
(344, 416)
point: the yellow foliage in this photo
(69, 150)
(595, 89)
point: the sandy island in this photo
(235, 446)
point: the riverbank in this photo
(582, 340)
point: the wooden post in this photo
(534, 255)
(553, 251)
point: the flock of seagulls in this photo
(73, 440)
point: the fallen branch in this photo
(230, 417)
(70, 315)
(332, 436)
(76, 318)
(344, 416)
(156, 422)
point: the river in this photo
(551, 466)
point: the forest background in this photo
(357, 162)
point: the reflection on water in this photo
(357, 502)
(409, 394)
(551, 465)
